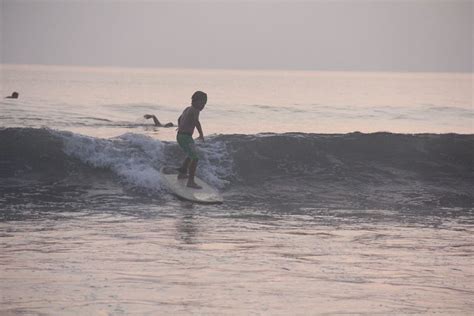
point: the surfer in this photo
(157, 122)
(189, 120)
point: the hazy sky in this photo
(401, 35)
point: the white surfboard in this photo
(178, 187)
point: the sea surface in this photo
(345, 193)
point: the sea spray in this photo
(130, 156)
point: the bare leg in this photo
(183, 170)
(192, 172)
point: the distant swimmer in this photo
(14, 95)
(157, 122)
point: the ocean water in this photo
(344, 193)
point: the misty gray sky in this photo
(402, 35)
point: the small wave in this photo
(364, 169)
(130, 156)
(94, 118)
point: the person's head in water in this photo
(199, 100)
(14, 95)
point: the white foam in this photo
(137, 158)
(215, 165)
(132, 157)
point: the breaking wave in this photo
(365, 170)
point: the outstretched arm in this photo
(151, 116)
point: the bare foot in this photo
(182, 176)
(193, 185)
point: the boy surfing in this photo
(189, 120)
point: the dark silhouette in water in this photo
(14, 95)
(157, 122)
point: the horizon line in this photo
(237, 69)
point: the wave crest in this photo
(434, 169)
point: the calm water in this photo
(320, 220)
(80, 99)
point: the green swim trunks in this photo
(186, 142)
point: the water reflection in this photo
(187, 224)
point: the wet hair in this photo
(199, 95)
